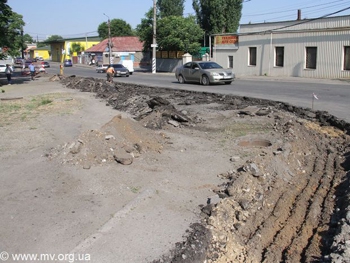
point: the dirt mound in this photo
(121, 140)
(286, 198)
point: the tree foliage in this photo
(218, 16)
(53, 38)
(176, 33)
(145, 30)
(27, 38)
(118, 28)
(170, 7)
(11, 26)
(76, 48)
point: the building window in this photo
(347, 58)
(252, 56)
(230, 61)
(311, 57)
(279, 53)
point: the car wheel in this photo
(205, 80)
(127, 76)
(228, 82)
(181, 79)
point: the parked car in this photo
(19, 60)
(101, 68)
(2, 68)
(204, 72)
(120, 70)
(67, 63)
(28, 62)
(45, 64)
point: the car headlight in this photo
(214, 74)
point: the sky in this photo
(80, 18)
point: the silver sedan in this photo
(204, 72)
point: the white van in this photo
(129, 64)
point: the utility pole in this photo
(109, 40)
(22, 44)
(154, 45)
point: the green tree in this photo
(145, 30)
(27, 38)
(5, 14)
(11, 26)
(170, 7)
(41, 44)
(179, 33)
(76, 47)
(53, 38)
(118, 28)
(218, 16)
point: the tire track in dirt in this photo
(296, 217)
(269, 230)
(281, 215)
(303, 247)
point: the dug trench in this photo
(286, 198)
(251, 180)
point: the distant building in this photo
(310, 48)
(123, 48)
(44, 52)
(63, 48)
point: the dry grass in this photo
(20, 110)
(329, 130)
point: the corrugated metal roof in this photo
(120, 44)
(305, 24)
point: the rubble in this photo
(286, 198)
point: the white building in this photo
(309, 48)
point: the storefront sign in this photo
(226, 42)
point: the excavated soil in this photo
(285, 198)
(284, 170)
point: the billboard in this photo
(226, 42)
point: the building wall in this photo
(41, 53)
(330, 53)
(56, 51)
(84, 44)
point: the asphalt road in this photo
(333, 95)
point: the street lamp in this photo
(109, 40)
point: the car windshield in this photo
(210, 65)
(118, 66)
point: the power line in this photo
(291, 16)
(289, 10)
(309, 20)
(305, 14)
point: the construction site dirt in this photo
(131, 173)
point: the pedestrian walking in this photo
(8, 72)
(32, 70)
